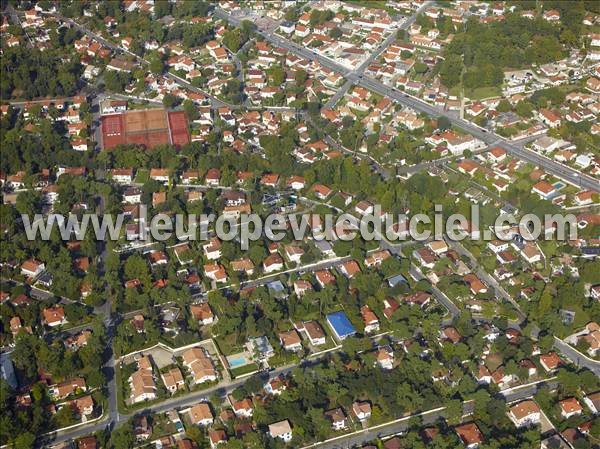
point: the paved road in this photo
(568, 174)
(406, 23)
(577, 357)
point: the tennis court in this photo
(179, 128)
(112, 125)
(147, 127)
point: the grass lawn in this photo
(142, 176)
(240, 371)
(482, 92)
(381, 4)
(454, 91)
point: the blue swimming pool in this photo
(559, 185)
(236, 361)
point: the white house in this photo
(525, 414)
(281, 430)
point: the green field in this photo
(240, 371)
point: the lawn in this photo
(142, 176)
(240, 371)
(482, 92)
(454, 91)
(381, 4)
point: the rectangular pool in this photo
(236, 361)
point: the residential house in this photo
(337, 417)
(550, 361)
(141, 382)
(202, 313)
(593, 402)
(281, 430)
(362, 410)
(54, 316)
(272, 263)
(173, 380)
(200, 365)
(32, 268)
(385, 357)
(242, 408)
(64, 389)
(470, 435)
(525, 414)
(370, 320)
(290, 340)
(212, 249)
(201, 415)
(570, 407)
(217, 437)
(314, 332)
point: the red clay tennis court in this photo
(179, 128)
(147, 127)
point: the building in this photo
(525, 414)
(362, 410)
(54, 316)
(67, 388)
(385, 357)
(290, 340)
(314, 332)
(272, 263)
(173, 380)
(32, 268)
(202, 313)
(370, 320)
(593, 402)
(349, 269)
(142, 429)
(281, 430)
(340, 325)
(570, 407)
(242, 408)
(262, 347)
(217, 437)
(337, 418)
(82, 406)
(470, 435)
(141, 382)
(201, 415)
(550, 361)
(545, 190)
(200, 365)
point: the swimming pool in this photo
(236, 361)
(559, 185)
